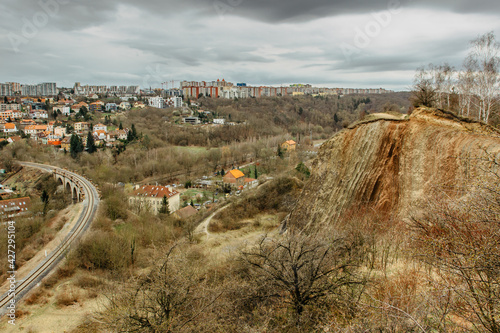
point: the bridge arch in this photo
(70, 186)
(67, 187)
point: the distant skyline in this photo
(362, 44)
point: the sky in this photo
(326, 43)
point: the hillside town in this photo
(50, 115)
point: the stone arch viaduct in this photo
(71, 184)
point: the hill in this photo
(391, 163)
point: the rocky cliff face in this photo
(391, 163)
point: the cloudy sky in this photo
(347, 43)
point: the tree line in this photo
(472, 90)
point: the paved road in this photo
(90, 204)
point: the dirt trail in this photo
(203, 226)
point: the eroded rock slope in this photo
(391, 164)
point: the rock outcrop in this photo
(390, 164)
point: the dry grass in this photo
(67, 298)
(86, 281)
(39, 296)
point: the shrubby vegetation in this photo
(38, 228)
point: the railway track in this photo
(90, 204)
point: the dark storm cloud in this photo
(258, 41)
(78, 14)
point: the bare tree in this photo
(168, 299)
(304, 270)
(484, 62)
(424, 91)
(446, 74)
(465, 86)
(461, 240)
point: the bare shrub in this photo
(38, 296)
(167, 299)
(308, 270)
(67, 298)
(459, 240)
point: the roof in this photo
(291, 142)
(154, 191)
(99, 132)
(236, 173)
(36, 127)
(18, 204)
(186, 212)
(10, 126)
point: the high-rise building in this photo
(5, 89)
(16, 87)
(42, 89)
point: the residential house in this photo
(81, 126)
(11, 114)
(76, 107)
(185, 212)
(6, 115)
(10, 128)
(14, 207)
(6, 107)
(35, 129)
(151, 197)
(13, 139)
(117, 135)
(100, 135)
(60, 131)
(139, 105)
(100, 127)
(53, 140)
(111, 107)
(96, 106)
(66, 143)
(63, 109)
(234, 177)
(289, 145)
(251, 182)
(125, 106)
(25, 122)
(39, 114)
(219, 121)
(99, 141)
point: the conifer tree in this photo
(91, 148)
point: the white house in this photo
(219, 121)
(151, 197)
(125, 106)
(60, 131)
(111, 107)
(40, 114)
(100, 127)
(65, 110)
(10, 128)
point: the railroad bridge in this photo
(71, 184)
